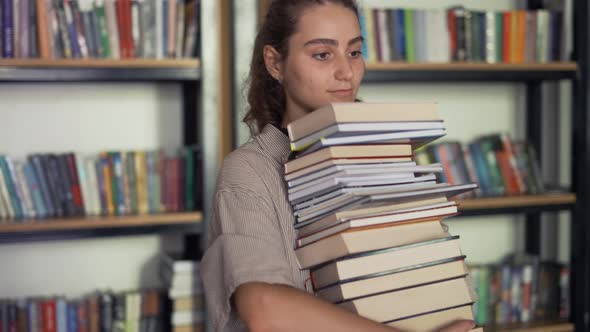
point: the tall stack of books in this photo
(185, 292)
(369, 218)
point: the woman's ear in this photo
(273, 62)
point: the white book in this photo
(112, 28)
(5, 196)
(438, 43)
(310, 192)
(491, 46)
(344, 177)
(325, 199)
(354, 169)
(355, 128)
(416, 137)
(320, 225)
(383, 35)
(160, 47)
(362, 162)
(93, 194)
(433, 211)
(21, 182)
(442, 188)
(3, 207)
(83, 180)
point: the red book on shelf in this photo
(75, 183)
(120, 9)
(128, 29)
(452, 30)
(506, 37)
(49, 316)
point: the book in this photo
(367, 239)
(371, 112)
(368, 263)
(394, 279)
(416, 138)
(363, 128)
(360, 162)
(408, 302)
(350, 151)
(433, 211)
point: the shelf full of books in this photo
(101, 29)
(507, 172)
(522, 293)
(462, 35)
(107, 193)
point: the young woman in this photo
(307, 54)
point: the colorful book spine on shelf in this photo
(108, 184)
(103, 29)
(498, 164)
(462, 34)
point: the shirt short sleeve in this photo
(245, 245)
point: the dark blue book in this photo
(7, 28)
(39, 173)
(400, 35)
(35, 190)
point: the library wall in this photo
(87, 118)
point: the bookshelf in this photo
(468, 71)
(517, 204)
(539, 327)
(85, 227)
(99, 70)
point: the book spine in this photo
(409, 37)
(113, 29)
(29, 207)
(23, 36)
(102, 195)
(12, 188)
(7, 29)
(101, 22)
(5, 196)
(132, 182)
(141, 171)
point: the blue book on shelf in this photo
(37, 169)
(7, 28)
(400, 35)
(72, 316)
(35, 190)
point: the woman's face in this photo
(324, 63)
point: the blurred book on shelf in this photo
(114, 183)
(459, 34)
(100, 29)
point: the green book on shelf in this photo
(131, 182)
(499, 28)
(188, 155)
(102, 28)
(409, 28)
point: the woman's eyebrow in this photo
(328, 41)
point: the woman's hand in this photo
(459, 326)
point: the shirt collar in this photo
(275, 142)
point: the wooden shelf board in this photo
(181, 218)
(517, 201)
(470, 66)
(101, 63)
(535, 327)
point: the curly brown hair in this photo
(266, 97)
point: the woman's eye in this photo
(321, 56)
(356, 54)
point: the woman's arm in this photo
(265, 307)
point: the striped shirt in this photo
(251, 235)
